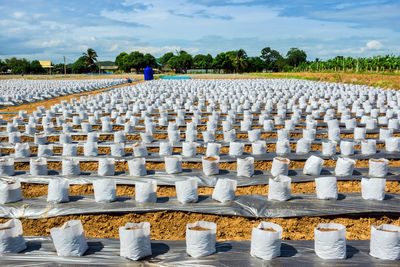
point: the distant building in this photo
(46, 64)
(109, 68)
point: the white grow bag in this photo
(189, 149)
(282, 147)
(329, 148)
(224, 190)
(58, 190)
(7, 167)
(347, 148)
(173, 164)
(146, 192)
(378, 168)
(313, 165)
(368, 147)
(118, 150)
(213, 149)
(326, 188)
(11, 237)
(330, 244)
(210, 165)
(373, 188)
(38, 166)
(21, 150)
(280, 166)
(104, 190)
(70, 167)
(236, 149)
(279, 188)
(106, 167)
(135, 241)
(245, 167)
(201, 243)
(344, 167)
(69, 239)
(266, 241)
(385, 242)
(186, 191)
(90, 149)
(10, 191)
(392, 144)
(137, 167)
(165, 149)
(139, 150)
(258, 148)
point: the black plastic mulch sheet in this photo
(257, 206)
(105, 252)
(162, 178)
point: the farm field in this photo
(290, 119)
(384, 80)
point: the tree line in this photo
(237, 61)
(226, 62)
(18, 66)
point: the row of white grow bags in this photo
(135, 242)
(224, 190)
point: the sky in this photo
(51, 29)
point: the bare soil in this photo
(198, 228)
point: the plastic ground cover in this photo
(257, 206)
(162, 178)
(105, 252)
(155, 157)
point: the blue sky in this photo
(50, 29)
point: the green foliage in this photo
(150, 61)
(295, 57)
(18, 66)
(273, 59)
(90, 59)
(182, 62)
(80, 66)
(255, 64)
(174, 63)
(36, 68)
(203, 62)
(165, 58)
(238, 60)
(119, 60)
(3, 66)
(136, 60)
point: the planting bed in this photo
(211, 105)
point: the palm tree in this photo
(90, 58)
(239, 60)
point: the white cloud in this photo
(154, 50)
(18, 15)
(374, 45)
(51, 43)
(113, 47)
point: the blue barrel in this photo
(148, 73)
